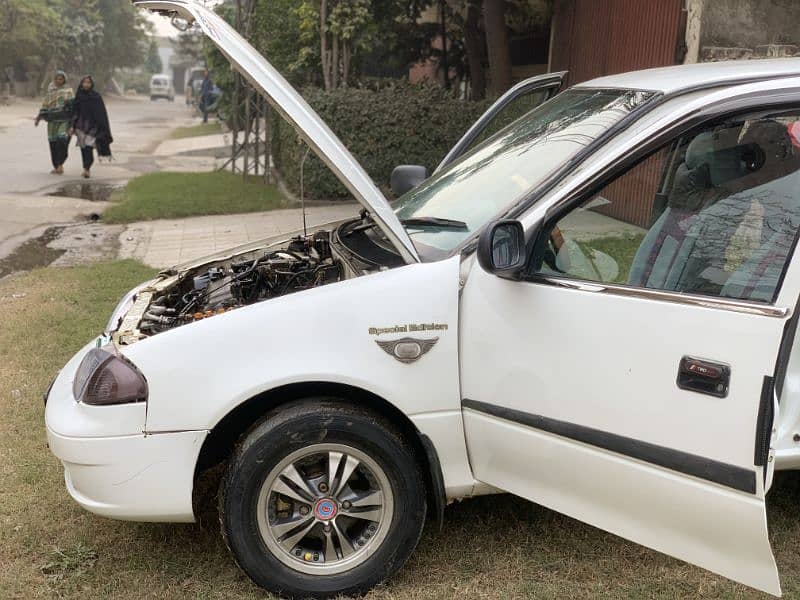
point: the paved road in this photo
(139, 128)
(138, 125)
(25, 209)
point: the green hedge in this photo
(398, 124)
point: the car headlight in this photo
(106, 377)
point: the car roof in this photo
(685, 77)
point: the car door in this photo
(523, 97)
(626, 377)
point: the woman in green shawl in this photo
(57, 112)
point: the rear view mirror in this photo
(407, 177)
(501, 248)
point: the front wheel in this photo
(322, 499)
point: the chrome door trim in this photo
(729, 304)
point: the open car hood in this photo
(288, 102)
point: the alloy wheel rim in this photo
(325, 509)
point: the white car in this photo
(161, 87)
(594, 309)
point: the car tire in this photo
(312, 439)
(152, 98)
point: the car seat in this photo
(710, 160)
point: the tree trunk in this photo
(494, 15)
(335, 62)
(445, 65)
(323, 44)
(346, 54)
(473, 43)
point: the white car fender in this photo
(199, 372)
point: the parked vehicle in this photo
(161, 87)
(593, 309)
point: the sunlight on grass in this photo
(176, 195)
(196, 130)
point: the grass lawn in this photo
(622, 248)
(490, 548)
(196, 130)
(176, 195)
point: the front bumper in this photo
(111, 466)
(133, 478)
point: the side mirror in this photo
(501, 249)
(407, 177)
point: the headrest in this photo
(720, 150)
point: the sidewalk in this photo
(193, 144)
(167, 242)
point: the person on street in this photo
(90, 124)
(56, 110)
(205, 94)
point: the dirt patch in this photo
(64, 246)
(34, 253)
(85, 243)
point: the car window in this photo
(714, 213)
(510, 164)
(510, 113)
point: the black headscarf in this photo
(90, 115)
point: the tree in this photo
(27, 31)
(340, 35)
(341, 27)
(152, 63)
(124, 30)
(494, 15)
(475, 50)
(189, 48)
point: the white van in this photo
(161, 87)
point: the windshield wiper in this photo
(434, 222)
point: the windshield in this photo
(511, 163)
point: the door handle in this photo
(704, 376)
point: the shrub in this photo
(382, 128)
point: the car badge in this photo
(407, 350)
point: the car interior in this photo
(724, 216)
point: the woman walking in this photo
(57, 112)
(90, 124)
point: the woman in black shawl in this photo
(90, 124)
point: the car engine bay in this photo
(221, 286)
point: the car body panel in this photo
(134, 477)
(674, 79)
(624, 392)
(290, 339)
(285, 99)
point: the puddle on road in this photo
(94, 192)
(31, 254)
